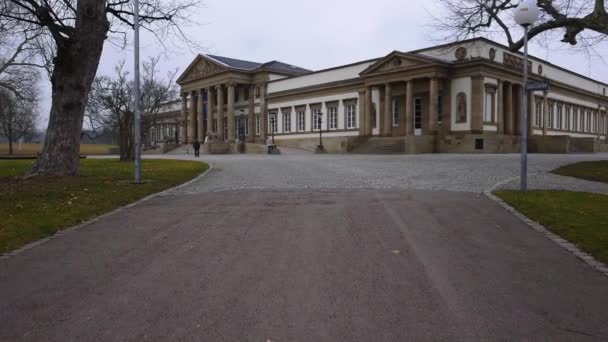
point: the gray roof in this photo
(283, 67)
(251, 66)
(237, 63)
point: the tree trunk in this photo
(10, 138)
(74, 70)
(127, 146)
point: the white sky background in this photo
(314, 34)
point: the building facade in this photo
(460, 97)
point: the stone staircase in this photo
(380, 145)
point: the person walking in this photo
(197, 148)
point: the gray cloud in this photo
(314, 34)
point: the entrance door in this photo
(417, 116)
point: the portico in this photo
(218, 93)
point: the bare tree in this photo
(73, 33)
(575, 21)
(111, 101)
(17, 117)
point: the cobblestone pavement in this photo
(473, 173)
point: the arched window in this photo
(461, 107)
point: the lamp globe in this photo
(526, 13)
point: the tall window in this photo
(287, 121)
(301, 114)
(395, 111)
(582, 117)
(316, 123)
(538, 114)
(574, 119)
(488, 115)
(351, 116)
(568, 116)
(273, 123)
(559, 116)
(244, 122)
(418, 113)
(257, 125)
(588, 120)
(551, 115)
(332, 117)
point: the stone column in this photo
(509, 109)
(409, 108)
(200, 127)
(361, 113)
(263, 112)
(531, 113)
(231, 132)
(210, 109)
(388, 109)
(251, 116)
(220, 112)
(368, 112)
(500, 120)
(433, 95)
(545, 113)
(477, 95)
(517, 111)
(192, 111)
(183, 129)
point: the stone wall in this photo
(478, 143)
(420, 144)
(551, 144)
(331, 144)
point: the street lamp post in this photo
(526, 14)
(137, 114)
(320, 148)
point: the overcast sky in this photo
(314, 34)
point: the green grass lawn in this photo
(37, 207)
(593, 171)
(579, 217)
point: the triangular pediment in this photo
(201, 67)
(396, 61)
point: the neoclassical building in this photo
(459, 97)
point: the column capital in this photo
(231, 84)
(218, 86)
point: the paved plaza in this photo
(313, 248)
(474, 173)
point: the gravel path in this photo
(472, 173)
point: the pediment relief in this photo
(201, 69)
(394, 63)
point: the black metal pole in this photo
(320, 133)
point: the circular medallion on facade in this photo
(461, 53)
(492, 54)
(540, 69)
